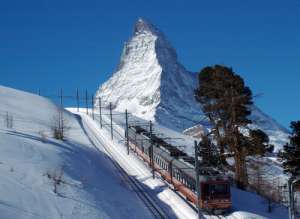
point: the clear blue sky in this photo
(56, 43)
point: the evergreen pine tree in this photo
(226, 101)
(259, 143)
(208, 153)
(291, 152)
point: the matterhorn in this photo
(151, 84)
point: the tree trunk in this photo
(241, 177)
(221, 145)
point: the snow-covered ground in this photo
(29, 157)
(171, 203)
(245, 204)
(92, 186)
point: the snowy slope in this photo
(152, 84)
(246, 205)
(91, 187)
(172, 205)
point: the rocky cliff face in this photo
(152, 84)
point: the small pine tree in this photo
(291, 151)
(208, 153)
(259, 143)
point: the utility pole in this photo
(291, 182)
(126, 131)
(93, 108)
(171, 170)
(151, 151)
(197, 178)
(86, 102)
(7, 120)
(111, 125)
(61, 113)
(77, 99)
(135, 142)
(100, 113)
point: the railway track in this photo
(133, 183)
(206, 215)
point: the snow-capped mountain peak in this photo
(143, 26)
(152, 84)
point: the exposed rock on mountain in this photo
(152, 84)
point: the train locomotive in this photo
(177, 168)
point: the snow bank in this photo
(30, 158)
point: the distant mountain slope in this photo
(152, 84)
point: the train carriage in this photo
(178, 169)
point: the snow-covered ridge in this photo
(30, 158)
(152, 84)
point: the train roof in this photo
(179, 159)
(160, 142)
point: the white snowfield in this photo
(151, 83)
(171, 203)
(92, 185)
(245, 204)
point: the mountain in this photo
(152, 84)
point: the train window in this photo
(182, 178)
(193, 186)
(215, 189)
(189, 184)
(177, 175)
(218, 188)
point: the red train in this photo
(177, 168)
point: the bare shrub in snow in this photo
(9, 121)
(59, 126)
(56, 177)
